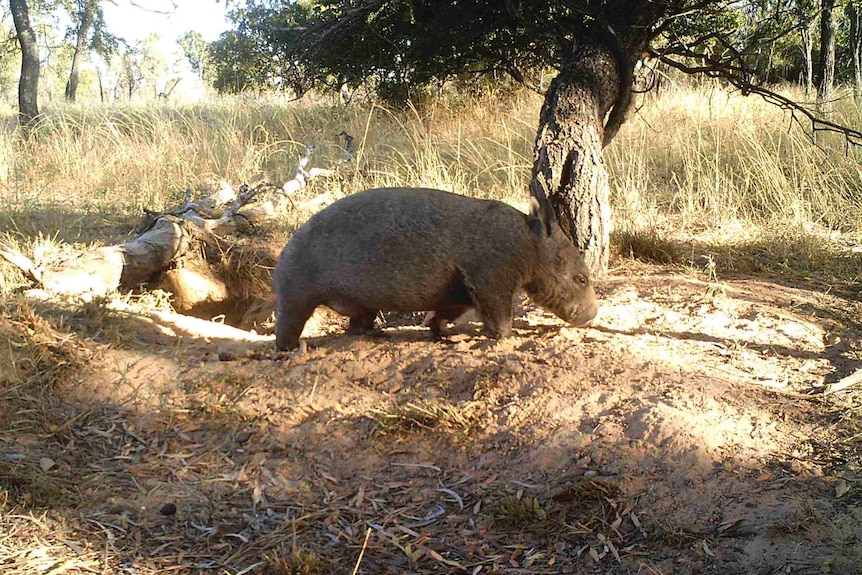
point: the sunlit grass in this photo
(694, 164)
(709, 158)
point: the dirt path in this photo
(670, 437)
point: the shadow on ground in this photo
(665, 440)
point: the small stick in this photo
(362, 553)
(844, 383)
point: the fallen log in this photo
(167, 239)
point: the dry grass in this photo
(246, 266)
(832, 261)
(695, 166)
(519, 513)
(39, 475)
(707, 172)
(38, 355)
(708, 158)
(423, 414)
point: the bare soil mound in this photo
(684, 432)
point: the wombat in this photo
(414, 249)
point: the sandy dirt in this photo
(683, 432)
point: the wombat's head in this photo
(561, 280)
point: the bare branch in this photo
(154, 10)
(854, 378)
(268, 28)
(516, 74)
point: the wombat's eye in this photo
(582, 279)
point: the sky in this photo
(134, 23)
(129, 21)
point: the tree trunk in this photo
(85, 22)
(567, 157)
(101, 86)
(807, 53)
(854, 14)
(766, 75)
(827, 53)
(28, 85)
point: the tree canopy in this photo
(400, 47)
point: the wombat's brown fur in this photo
(411, 249)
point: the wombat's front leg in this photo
(439, 319)
(496, 311)
(495, 301)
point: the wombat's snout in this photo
(584, 313)
(585, 317)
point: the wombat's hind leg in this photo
(288, 325)
(498, 327)
(362, 322)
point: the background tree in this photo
(90, 33)
(9, 54)
(28, 84)
(83, 15)
(804, 11)
(195, 50)
(258, 55)
(145, 64)
(160, 69)
(241, 62)
(107, 75)
(131, 70)
(853, 12)
(826, 64)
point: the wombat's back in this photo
(411, 214)
(398, 248)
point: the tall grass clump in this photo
(145, 157)
(139, 157)
(708, 158)
(466, 149)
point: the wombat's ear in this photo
(540, 207)
(542, 218)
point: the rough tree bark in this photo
(28, 85)
(584, 108)
(826, 67)
(86, 13)
(567, 158)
